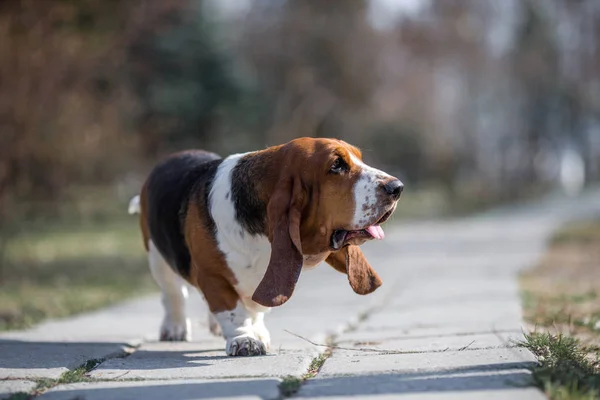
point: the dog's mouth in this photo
(340, 237)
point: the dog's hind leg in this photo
(175, 326)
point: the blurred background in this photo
(473, 103)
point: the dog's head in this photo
(324, 203)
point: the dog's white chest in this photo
(248, 261)
(247, 255)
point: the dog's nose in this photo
(394, 188)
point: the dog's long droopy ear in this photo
(285, 265)
(351, 260)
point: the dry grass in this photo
(563, 292)
(562, 307)
(63, 269)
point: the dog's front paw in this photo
(245, 345)
(176, 331)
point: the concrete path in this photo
(442, 327)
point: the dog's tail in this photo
(134, 205)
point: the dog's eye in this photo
(338, 166)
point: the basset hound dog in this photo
(241, 229)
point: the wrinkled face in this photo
(347, 200)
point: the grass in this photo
(561, 301)
(566, 370)
(78, 374)
(58, 269)
(291, 384)
(316, 365)
(563, 292)
(73, 376)
(585, 232)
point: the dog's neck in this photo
(254, 179)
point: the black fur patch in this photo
(171, 184)
(250, 210)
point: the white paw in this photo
(214, 326)
(176, 331)
(245, 345)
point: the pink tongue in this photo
(376, 231)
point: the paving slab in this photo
(491, 314)
(345, 363)
(438, 289)
(10, 387)
(430, 344)
(465, 265)
(129, 322)
(323, 304)
(33, 360)
(495, 385)
(361, 334)
(189, 389)
(503, 394)
(505, 384)
(194, 361)
(469, 374)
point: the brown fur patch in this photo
(209, 271)
(351, 260)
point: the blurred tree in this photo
(314, 59)
(181, 79)
(535, 70)
(461, 93)
(59, 85)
